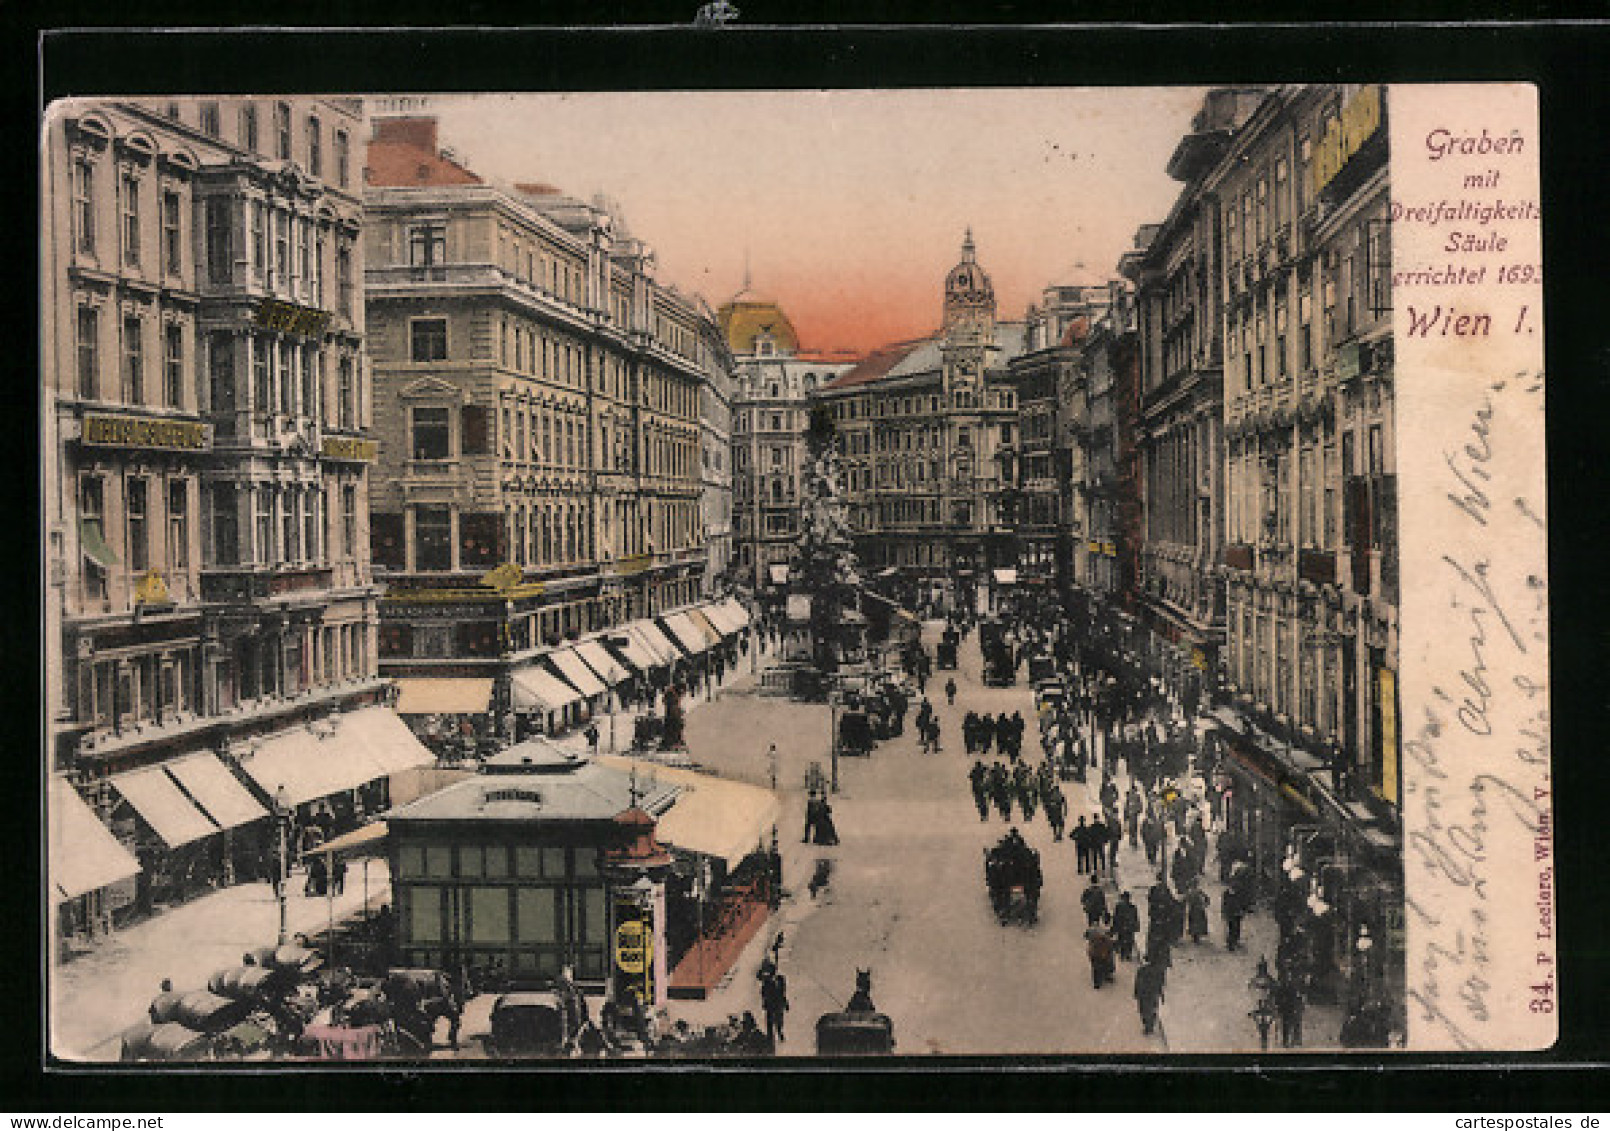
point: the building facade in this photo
(925, 431)
(206, 456)
(775, 380)
(715, 456)
(1179, 298)
(541, 404)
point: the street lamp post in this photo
(833, 735)
(282, 821)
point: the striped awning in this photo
(685, 633)
(654, 638)
(217, 791)
(311, 766)
(387, 738)
(700, 620)
(603, 665)
(440, 696)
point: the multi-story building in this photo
(921, 426)
(1311, 554)
(206, 463)
(771, 415)
(1179, 280)
(1041, 507)
(715, 458)
(539, 401)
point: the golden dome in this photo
(744, 320)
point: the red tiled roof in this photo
(403, 152)
(876, 365)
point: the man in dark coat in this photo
(1094, 901)
(1099, 947)
(1149, 979)
(1081, 845)
(1098, 845)
(1230, 902)
(773, 1000)
(1056, 810)
(1125, 925)
(977, 776)
(1133, 808)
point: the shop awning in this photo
(734, 608)
(1006, 577)
(84, 856)
(656, 641)
(94, 543)
(778, 575)
(535, 689)
(634, 650)
(721, 619)
(701, 621)
(215, 789)
(171, 815)
(683, 631)
(367, 840)
(463, 696)
(576, 672)
(603, 665)
(310, 766)
(389, 741)
(711, 816)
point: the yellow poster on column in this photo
(1386, 690)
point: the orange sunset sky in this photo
(849, 205)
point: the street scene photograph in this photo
(721, 576)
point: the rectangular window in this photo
(173, 367)
(315, 148)
(343, 159)
(248, 128)
(489, 915)
(287, 385)
(264, 520)
(311, 500)
(92, 533)
(345, 400)
(131, 219)
(209, 119)
(139, 535)
(427, 245)
(304, 256)
(428, 339)
(291, 524)
(282, 251)
(172, 244)
(282, 130)
(343, 276)
(178, 524)
(133, 362)
(259, 222)
(89, 353)
(433, 541)
(536, 913)
(84, 204)
(262, 380)
(319, 250)
(349, 520)
(225, 525)
(220, 250)
(424, 913)
(310, 397)
(432, 433)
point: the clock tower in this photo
(969, 327)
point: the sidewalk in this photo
(98, 995)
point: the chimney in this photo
(417, 132)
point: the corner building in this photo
(538, 403)
(206, 460)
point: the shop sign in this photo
(1386, 681)
(304, 321)
(151, 589)
(341, 447)
(1198, 659)
(105, 431)
(633, 947)
(637, 563)
(1346, 135)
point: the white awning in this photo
(311, 766)
(636, 652)
(735, 609)
(711, 816)
(700, 619)
(1006, 577)
(721, 616)
(534, 688)
(685, 633)
(83, 855)
(171, 815)
(603, 665)
(389, 741)
(576, 672)
(656, 641)
(215, 789)
(435, 696)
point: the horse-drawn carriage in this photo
(858, 1029)
(1013, 879)
(855, 733)
(948, 644)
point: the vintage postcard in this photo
(794, 574)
